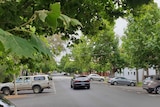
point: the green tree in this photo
(105, 49)
(141, 38)
(81, 54)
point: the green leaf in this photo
(53, 15)
(42, 15)
(1, 47)
(40, 46)
(75, 22)
(55, 8)
(51, 19)
(66, 20)
(16, 45)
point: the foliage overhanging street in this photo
(27, 29)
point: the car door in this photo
(27, 83)
(97, 77)
(19, 83)
(120, 80)
(125, 81)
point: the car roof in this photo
(81, 76)
(34, 75)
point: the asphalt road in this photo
(100, 95)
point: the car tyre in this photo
(88, 87)
(115, 83)
(74, 87)
(6, 91)
(71, 86)
(132, 84)
(36, 89)
(101, 80)
(158, 90)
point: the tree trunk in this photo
(147, 71)
(15, 86)
(137, 76)
(112, 73)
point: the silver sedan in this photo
(122, 81)
(80, 81)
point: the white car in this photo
(95, 77)
(37, 83)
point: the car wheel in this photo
(115, 83)
(6, 91)
(132, 84)
(36, 89)
(74, 87)
(88, 87)
(158, 90)
(71, 86)
(101, 80)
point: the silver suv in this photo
(152, 84)
(37, 83)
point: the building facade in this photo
(130, 73)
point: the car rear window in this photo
(80, 76)
(39, 78)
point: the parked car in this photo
(152, 84)
(80, 81)
(37, 83)
(5, 102)
(122, 81)
(109, 79)
(95, 77)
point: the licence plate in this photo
(83, 83)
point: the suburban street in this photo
(100, 95)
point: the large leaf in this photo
(56, 8)
(16, 45)
(1, 47)
(53, 15)
(42, 15)
(75, 22)
(67, 21)
(40, 46)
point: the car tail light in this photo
(76, 81)
(87, 81)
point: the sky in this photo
(121, 24)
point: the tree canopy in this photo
(141, 40)
(26, 24)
